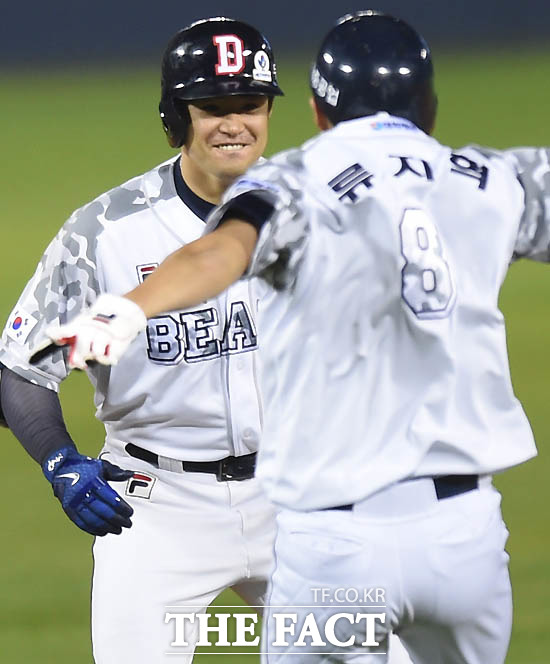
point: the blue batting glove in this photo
(79, 482)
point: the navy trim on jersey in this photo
(195, 203)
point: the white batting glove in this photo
(101, 333)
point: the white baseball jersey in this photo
(187, 388)
(385, 351)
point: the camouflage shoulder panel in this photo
(487, 152)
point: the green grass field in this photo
(68, 136)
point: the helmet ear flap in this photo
(174, 115)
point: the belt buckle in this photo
(222, 472)
(231, 469)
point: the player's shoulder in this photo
(509, 159)
(527, 161)
(289, 159)
(524, 166)
(136, 195)
(292, 161)
(481, 153)
(278, 174)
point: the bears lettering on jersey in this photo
(239, 334)
(194, 335)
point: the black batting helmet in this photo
(214, 57)
(372, 62)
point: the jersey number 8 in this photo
(426, 281)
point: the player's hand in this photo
(79, 482)
(101, 333)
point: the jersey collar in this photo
(382, 123)
(195, 203)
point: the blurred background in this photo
(36, 32)
(79, 87)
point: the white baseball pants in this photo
(191, 538)
(440, 565)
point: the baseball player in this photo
(183, 414)
(389, 403)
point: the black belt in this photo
(446, 486)
(230, 468)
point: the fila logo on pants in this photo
(230, 54)
(140, 485)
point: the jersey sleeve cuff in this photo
(34, 375)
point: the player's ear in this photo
(319, 118)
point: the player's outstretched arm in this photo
(79, 482)
(199, 270)
(194, 273)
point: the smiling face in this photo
(226, 136)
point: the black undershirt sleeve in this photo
(3, 422)
(34, 415)
(252, 207)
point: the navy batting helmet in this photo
(214, 57)
(372, 62)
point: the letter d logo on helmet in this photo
(215, 57)
(230, 54)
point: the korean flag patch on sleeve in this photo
(20, 325)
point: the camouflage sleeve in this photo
(283, 238)
(532, 167)
(65, 280)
